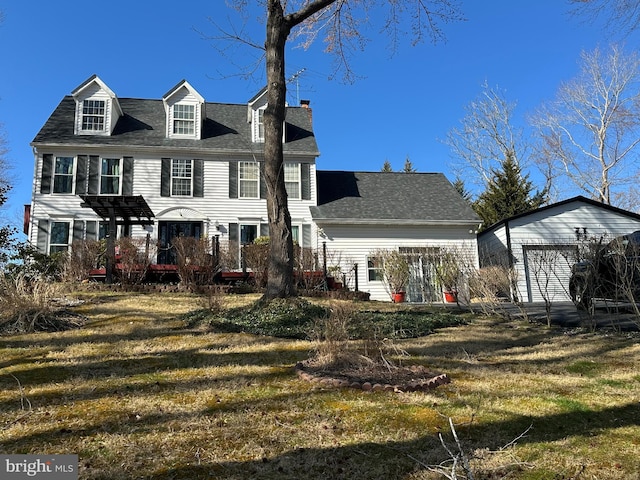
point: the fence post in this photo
(355, 272)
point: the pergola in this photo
(124, 210)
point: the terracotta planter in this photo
(398, 297)
(450, 296)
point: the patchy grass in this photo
(139, 392)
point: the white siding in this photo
(215, 206)
(353, 244)
(551, 234)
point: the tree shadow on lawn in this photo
(513, 346)
(155, 365)
(393, 459)
(356, 460)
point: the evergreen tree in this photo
(458, 184)
(7, 232)
(408, 166)
(386, 167)
(508, 193)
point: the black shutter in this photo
(305, 174)
(233, 232)
(78, 230)
(165, 177)
(81, 175)
(127, 176)
(233, 179)
(198, 177)
(43, 235)
(47, 173)
(92, 229)
(263, 183)
(264, 229)
(94, 175)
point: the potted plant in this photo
(396, 272)
(448, 273)
(334, 277)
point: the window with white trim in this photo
(184, 119)
(181, 177)
(295, 234)
(259, 127)
(59, 237)
(249, 179)
(292, 180)
(374, 269)
(110, 176)
(63, 175)
(93, 115)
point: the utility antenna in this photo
(296, 77)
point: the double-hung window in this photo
(249, 179)
(261, 124)
(292, 179)
(374, 269)
(110, 175)
(93, 115)
(63, 175)
(184, 119)
(295, 234)
(59, 239)
(181, 177)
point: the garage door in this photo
(547, 271)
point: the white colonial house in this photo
(542, 245)
(182, 166)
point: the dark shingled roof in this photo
(389, 197)
(225, 128)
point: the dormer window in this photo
(184, 119)
(93, 113)
(97, 108)
(260, 124)
(185, 111)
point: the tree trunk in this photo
(280, 282)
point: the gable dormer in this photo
(185, 112)
(97, 108)
(255, 115)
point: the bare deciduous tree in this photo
(486, 137)
(341, 23)
(589, 134)
(620, 16)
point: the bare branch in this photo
(589, 134)
(619, 16)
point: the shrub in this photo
(83, 257)
(28, 304)
(28, 261)
(134, 259)
(194, 260)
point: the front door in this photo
(170, 230)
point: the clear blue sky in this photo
(404, 105)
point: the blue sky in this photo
(403, 106)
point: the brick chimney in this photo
(305, 104)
